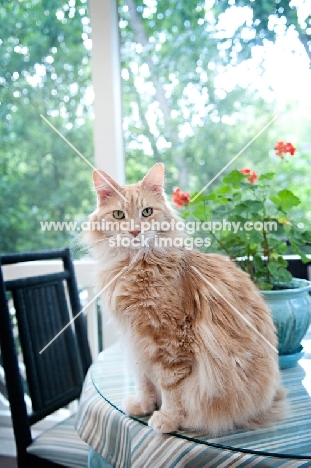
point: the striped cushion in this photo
(97, 461)
(62, 445)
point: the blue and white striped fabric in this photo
(127, 442)
(62, 445)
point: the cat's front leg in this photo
(144, 402)
(172, 413)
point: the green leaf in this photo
(241, 208)
(266, 177)
(223, 189)
(255, 237)
(282, 248)
(273, 267)
(284, 276)
(279, 273)
(299, 252)
(306, 236)
(264, 286)
(255, 206)
(285, 200)
(201, 211)
(185, 214)
(258, 262)
(283, 220)
(233, 178)
(282, 262)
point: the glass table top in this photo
(290, 437)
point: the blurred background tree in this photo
(263, 21)
(45, 70)
(199, 80)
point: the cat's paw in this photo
(161, 423)
(133, 407)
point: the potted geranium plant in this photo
(249, 218)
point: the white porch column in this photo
(106, 77)
(108, 135)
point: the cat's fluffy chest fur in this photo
(146, 285)
(199, 334)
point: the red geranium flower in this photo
(181, 198)
(289, 148)
(279, 148)
(252, 176)
(245, 171)
(282, 148)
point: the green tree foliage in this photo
(264, 20)
(175, 110)
(44, 70)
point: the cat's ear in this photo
(154, 179)
(104, 184)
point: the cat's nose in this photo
(134, 233)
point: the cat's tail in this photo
(276, 412)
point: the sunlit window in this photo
(45, 71)
(202, 78)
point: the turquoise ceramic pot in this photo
(291, 312)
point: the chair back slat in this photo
(18, 283)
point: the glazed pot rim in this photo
(302, 285)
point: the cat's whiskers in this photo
(101, 241)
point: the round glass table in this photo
(118, 440)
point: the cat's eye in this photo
(147, 212)
(118, 214)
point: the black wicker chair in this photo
(55, 376)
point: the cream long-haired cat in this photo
(200, 337)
